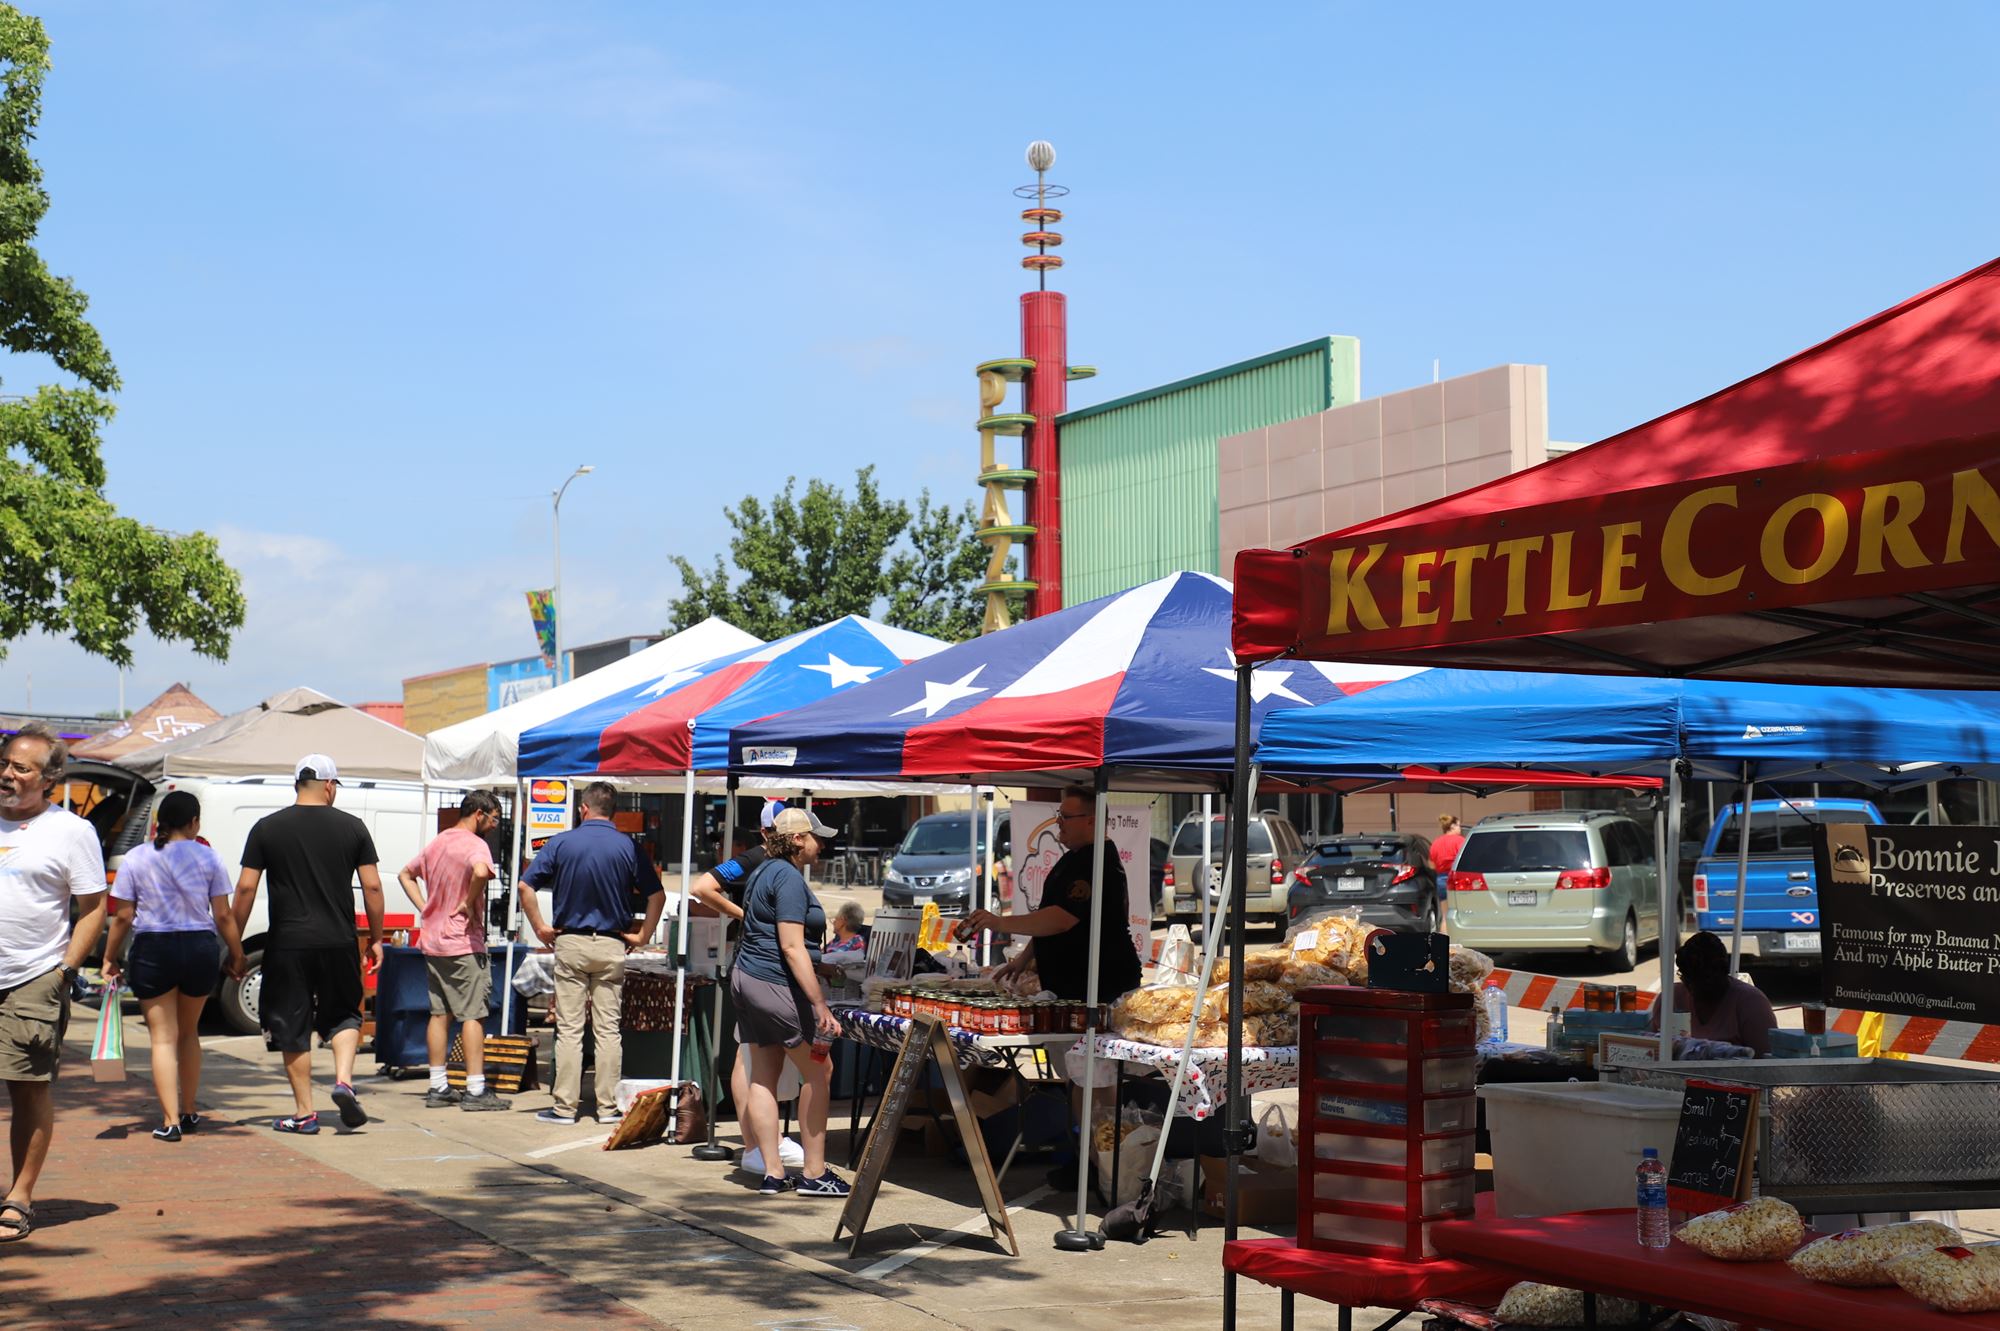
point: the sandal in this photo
(17, 1225)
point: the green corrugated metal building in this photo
(1139, 472)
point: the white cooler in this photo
(1573, 1146)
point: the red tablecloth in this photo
(1359, 1282)
(1597, 1251)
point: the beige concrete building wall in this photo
(431, 702)
(1293, 481)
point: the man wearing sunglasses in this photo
(1058, 932)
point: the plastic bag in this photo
(1179, 961)
(1860, 1258)
(1953, 1279)
(1530, 1304)
(107, 1046)
(1761, 1231)
(1335, 938)
(1277, 1118)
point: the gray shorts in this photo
(461, 986)
(33, 1016)
(770, 1013)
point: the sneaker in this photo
(444, 1099)
(484, 1102)
(170, 1133)
(772, 1187)
(191, 1123)
(352, 1115)
(610, 1116)
(828, 1184)
(306, 1124)
(553, 1116)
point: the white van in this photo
(393, 810)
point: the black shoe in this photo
(485, 1102)
(444, 1099)
(828, 1184)
(171, 1133)
(191, 1123)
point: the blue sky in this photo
(379, 276)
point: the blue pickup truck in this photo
(1781, 910)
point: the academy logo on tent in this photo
(1765, 732)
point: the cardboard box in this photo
(1266, 1198)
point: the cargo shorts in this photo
(33, 1018)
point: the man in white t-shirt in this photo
(48, 857)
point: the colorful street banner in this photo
(542, 610)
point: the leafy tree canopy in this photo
(69, 563)
(801, 560)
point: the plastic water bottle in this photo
(1652, 1200)
(1495, 999)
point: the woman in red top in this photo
(1444, 850)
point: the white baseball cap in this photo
(770, 812)
(790, 821)
(316, 767)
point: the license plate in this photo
(1350, 884)
(1523, 898)
(1801, 942)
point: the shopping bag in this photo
(107, 1047)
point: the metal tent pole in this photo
(514, 903)
(1667, 825)
(710, 1150)
(1206, 871)
(1742, 874)
(681, 926)
(1931, 803)
(1241, 792)
(1081, 1238)
(987, 900)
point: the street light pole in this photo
(555, 606)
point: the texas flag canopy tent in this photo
(680, 722)
(1140, 682)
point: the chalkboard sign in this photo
(1712, 1146)
(928, 1039)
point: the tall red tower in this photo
(1043, 371)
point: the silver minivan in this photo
(1556, 882)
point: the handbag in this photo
(107, 1046)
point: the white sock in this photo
(475, 1085)
(439, 1082)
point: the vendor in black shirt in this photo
(1058, 933)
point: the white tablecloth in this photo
(1265, 1067)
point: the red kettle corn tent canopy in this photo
(1835, 518)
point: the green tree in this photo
(69, 563)
(800, 561)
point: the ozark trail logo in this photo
(1765, 732)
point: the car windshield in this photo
(1361, 852)
(940, 836)
(1524, 849)
(1187, 841)
(1772, 832)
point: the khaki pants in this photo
(590, 976)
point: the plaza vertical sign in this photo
(1910, 919)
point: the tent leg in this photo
(987, 900)
(1081, 1238)
(1742, 871)
(1242, 791)
(514, 904)
(710, 1150)
(681, 942)
(1669, 831)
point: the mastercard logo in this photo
(549, 792)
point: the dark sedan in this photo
(1389, 877)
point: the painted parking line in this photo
(578, 1145)
(972, 1224)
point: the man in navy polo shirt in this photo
(594, 870)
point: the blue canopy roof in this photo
(1603, 724)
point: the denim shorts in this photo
(189, 960)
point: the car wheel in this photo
(241, 999)
(1427, 918)
(1625, 957)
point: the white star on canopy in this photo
(668, 683)
(938, 696)
(1264, 683)
(842, 673)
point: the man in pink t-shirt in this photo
(447, 884)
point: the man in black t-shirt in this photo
(1058, 933)
(313, 853)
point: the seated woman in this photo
(1719, 1007)
(850, 929)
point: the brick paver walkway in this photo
(235, 1229)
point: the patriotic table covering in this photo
(1265, 1068)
